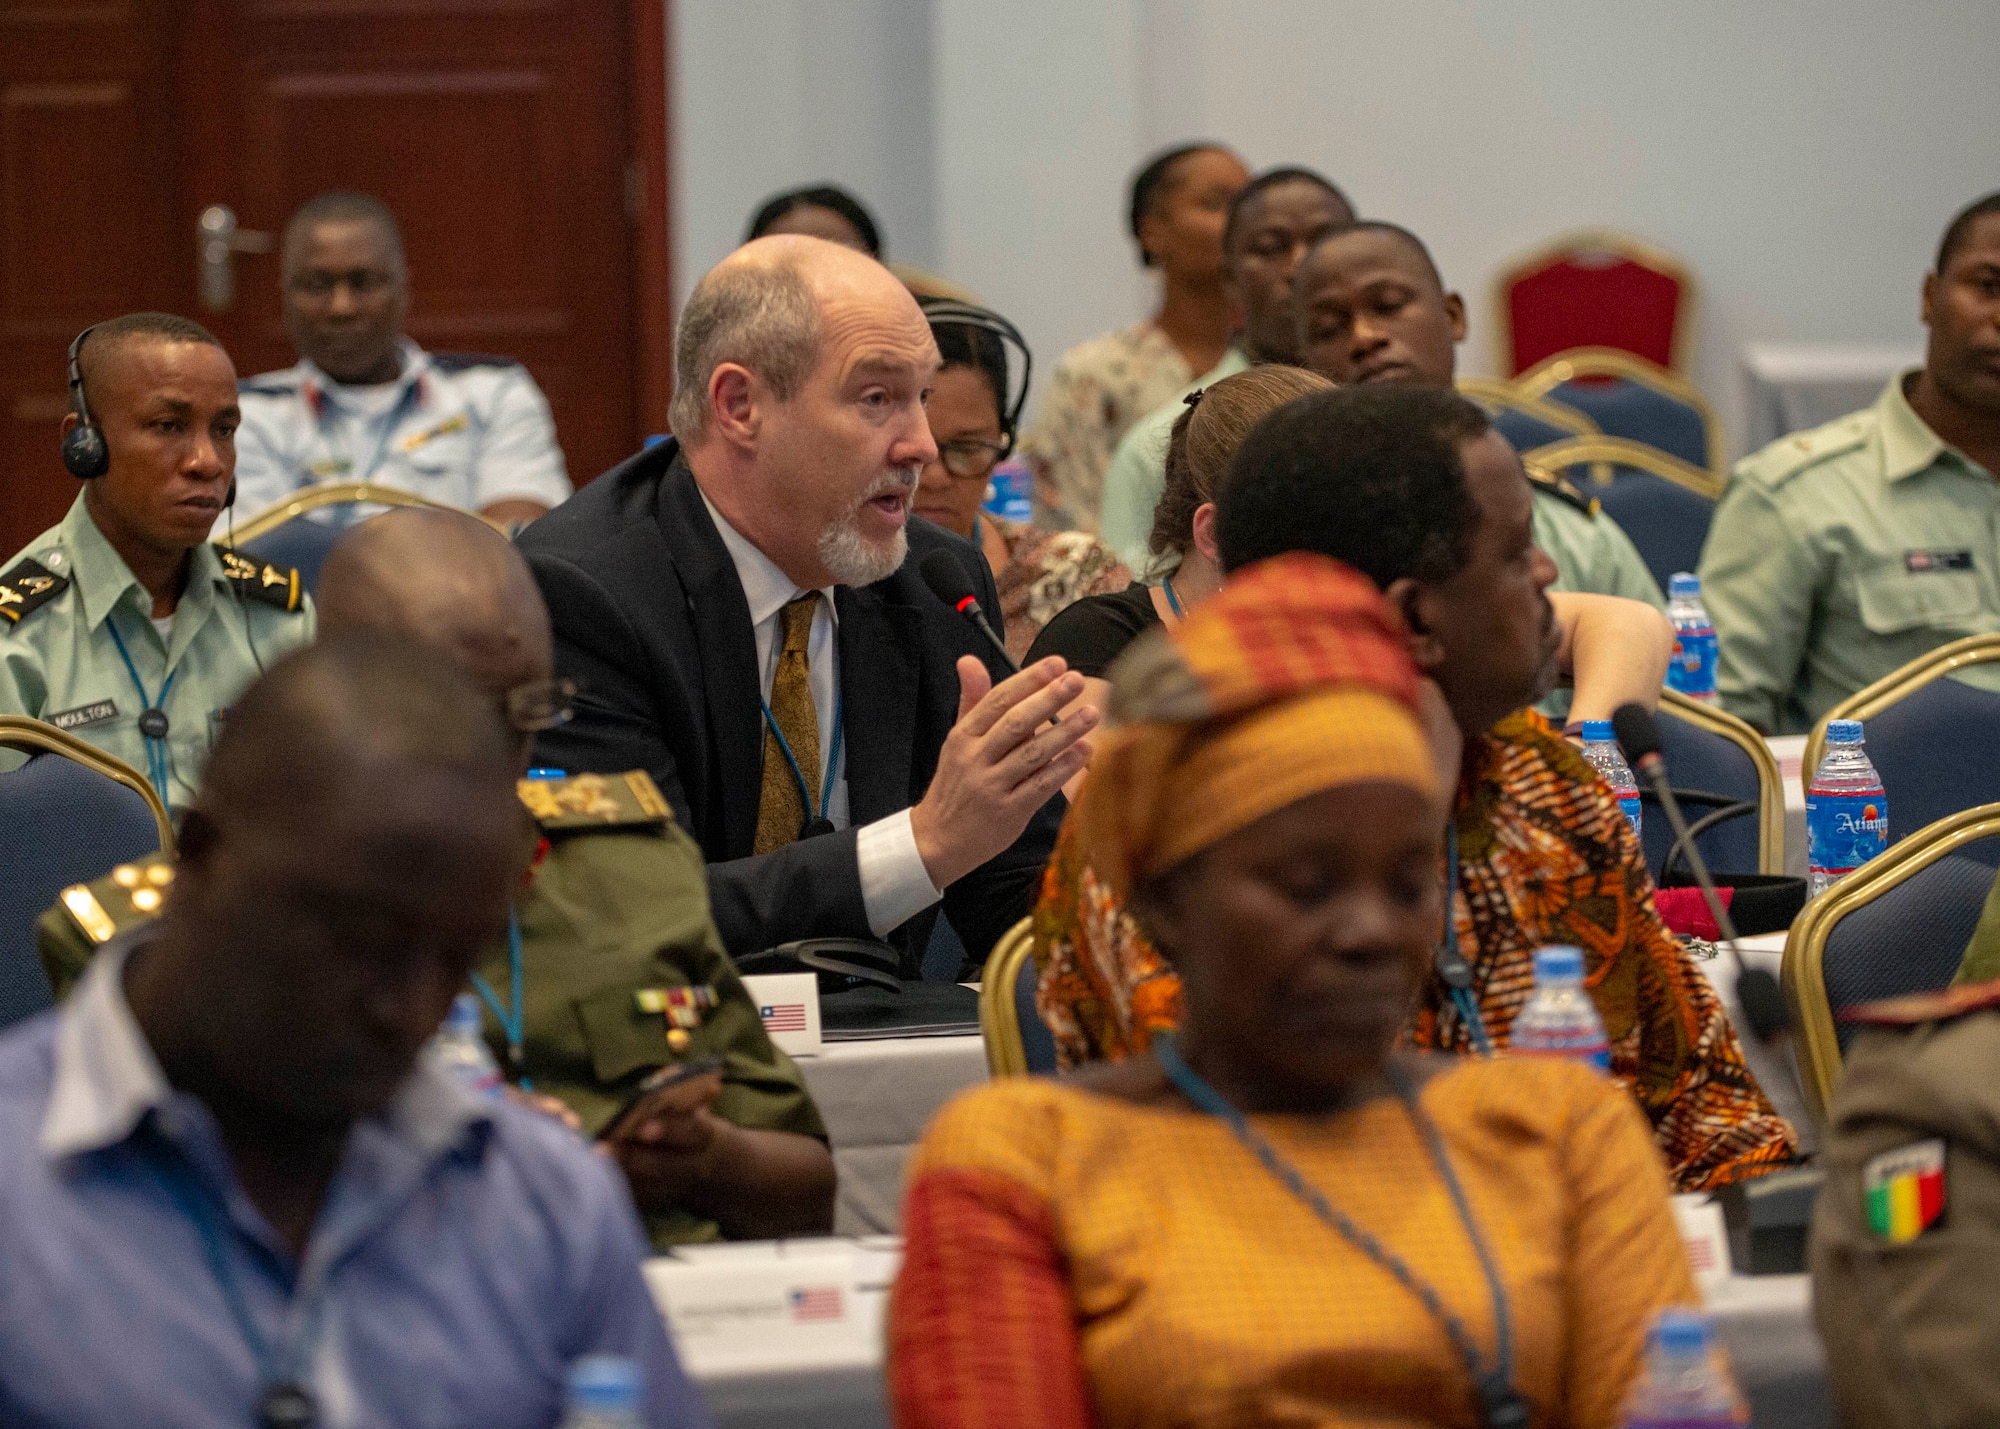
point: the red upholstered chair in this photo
(1595, 288)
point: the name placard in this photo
(741, 1313)
(788, 1003)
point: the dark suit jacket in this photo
(652, 625)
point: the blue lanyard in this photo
(156, 749)
(513, 1018)
(1173, 601)
(1500, 1404)
(278, 1372)
(1453, 970)
(832, 763)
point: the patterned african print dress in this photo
(1545, 856)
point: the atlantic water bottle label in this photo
(1692, 669)
(1844, 831)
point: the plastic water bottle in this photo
(1010, 491)
(1847, 814)
(1684, 1383)
(1692, 670)
(463, 1047)
(1601, 749)
(1560, 1020)
(603, 1393)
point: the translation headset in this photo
(943, 312)
(84, 454)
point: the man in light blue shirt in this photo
(1277, 217)
(235, 1187)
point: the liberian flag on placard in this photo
(1904, 1190)
(784, 1017)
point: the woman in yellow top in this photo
(1277, 1217)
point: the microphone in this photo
(949, 583)
(1757, 992)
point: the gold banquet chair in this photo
(1661, 502)
(1712, 751)
(1627, 396)
(1006, 996)
(277, 535)
(1526, 422)
(1931, 738)
(75, 813)
(1898, 924)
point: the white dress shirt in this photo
(895, 886)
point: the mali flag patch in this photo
(1904, 1191)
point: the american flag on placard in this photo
(816, 1302)
(1700, 1253)
(784, 1017)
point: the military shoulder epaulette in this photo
(1549, 484)
(1918, 1007)
(1801, 451)
(260, 580)
(124, 898)
(595, 801)
(27, 588)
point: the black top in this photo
(1092, 632)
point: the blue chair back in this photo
(1934, 751)
(303, 544)
(1911, 938)
(1667, 522)
(1036, 1040)
(1525, 431)
(1624, 408)
(1701, 759)
(85, 824)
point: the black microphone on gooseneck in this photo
(949, 583)
(1757, 992)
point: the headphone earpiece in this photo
(84, 454)
(959, 314)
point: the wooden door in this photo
(499, 131)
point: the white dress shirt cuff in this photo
(895, 886)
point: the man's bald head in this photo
(447, 580)
(763, 308)
(351, 854)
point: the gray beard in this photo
(847, 554)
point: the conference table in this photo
(831, 1377)
(1793, 386)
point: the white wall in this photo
(1801, 158)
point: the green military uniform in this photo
(1905, 1246)
(1840, 554)
(1592, 554)
(67, 604)
(615, 928)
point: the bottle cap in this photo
(1596, 731)
(1681, 1333)
(1559, 962)
(547, 774)
(1843, 731)
(604, 1382)
(465, 1014)
(1683, 583)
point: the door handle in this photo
(217, 242)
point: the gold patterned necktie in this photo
(782, 809)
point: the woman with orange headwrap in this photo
(1275, 1215)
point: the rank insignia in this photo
(594, 800)
(27, 588)
(262, 581)
(1903, 1191)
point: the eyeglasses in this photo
(540, 705)
(362, 282)
(970, 456)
